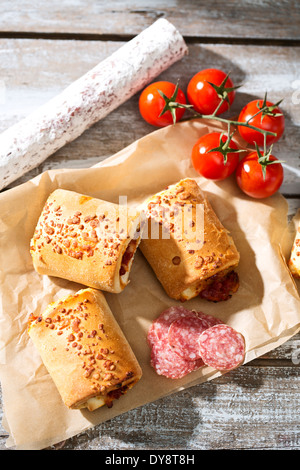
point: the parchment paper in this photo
(266, 308)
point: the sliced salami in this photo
(183, 340)
(151, 335)
(160, 327)
(209, 320)
(184, 333)
(222, 347)
(166, 362)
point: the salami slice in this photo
(166, 362)
(222, 347)
(90, 98)
(151, 335)
(160, 327)
(184, 333)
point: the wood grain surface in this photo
(251, 19)
(44, 46)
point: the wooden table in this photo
(44, 46)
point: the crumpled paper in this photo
(266, 308)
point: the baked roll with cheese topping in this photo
(86, 240)
(85, 350)
(193, 253)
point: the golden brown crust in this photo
(84, 349)
(83, 239)
(184, 269)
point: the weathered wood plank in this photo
(33, 71)
(276, 19)
(250, 408)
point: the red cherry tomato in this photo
(267, 123)
(151, 103)
(211, 164)
(203, 96)
(250, 177)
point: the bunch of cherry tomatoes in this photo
(256, 173)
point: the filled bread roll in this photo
(84, 350)
(186, 245)
(85, 240)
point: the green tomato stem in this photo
(234, 123)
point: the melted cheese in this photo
(93, 403)
(189, 293)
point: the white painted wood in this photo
(216, 18)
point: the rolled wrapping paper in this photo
(191, 253)
(86, 240)
(90, 98)
(85, 350)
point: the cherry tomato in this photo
(203, 96)
(151, 103)
(266, 122)
(249, 175)
(211, 164)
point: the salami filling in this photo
(183, 335)
(221, 347)
(221, 288)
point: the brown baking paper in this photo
(266, 308)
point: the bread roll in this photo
(189, 258)
(84, 350)
(85, 240)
